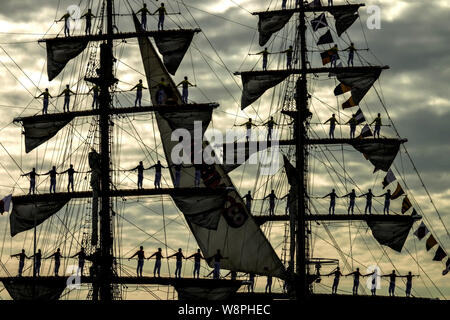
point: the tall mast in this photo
(301, 154)
(106, 237)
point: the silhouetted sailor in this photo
(333, 123)
(392, 276)
(356, 275)
(369, 196)
(178, 167)
(333, 197)
(197, 175)
(138, 88)
(22, 256)
(161, 93)
(88, 15)
(287, 196)
(337, 275)
(217, 258)
(66, 18)
(352, 122)
(32, 175)
(140, 265)
(352, 196)
(95, 100)
(161, 14)
(351, 53)
(185, 84)
(66, 92)
(265, 55)
(37, 262)
(81, 260)
(158, 166)
(158, 256)
(387, 201)
(248, 201)
(270, 124)
(269, 282)
(334, 55)
(52, 173)
(179, 255)
(251, 282)
(289, 52)
(248, 125)
(70, 172)
(57, 256)
(140, 170)
(197, 259)
(143, 12)
(409, 277)
(377, 121)
(272, 197)
(46, 95)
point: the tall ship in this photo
(277, 194)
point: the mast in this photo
(106, 237)
(301, 161)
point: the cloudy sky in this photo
(412, 40)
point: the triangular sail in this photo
(254, 85)
(59, 53)
(25, 216)
(391, 233)
(39, 131)
(358, 83)
(173, 47)
(271, 22)
(381, 155)
(344, 18)
(237, 235)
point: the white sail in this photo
(237, 235)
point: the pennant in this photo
(5, 203)
(439, 255)
(319, 22)
(431, 242)
(398, 192)
(326, 38)
(359, 116)
(389, 178)
(406, 205)
(421, 231)
(365, 132)
(447, 267)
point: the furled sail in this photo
(36, 289)
(221, 290)
(173, 47)
(381, 155)
(59, 53)
(254, 86)
(344, 18)
(237, 235)
(391, 233)
(25, 215)
(358, 83)
(271, 22)
(38, 132)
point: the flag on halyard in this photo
(421, 231)
(319, 22)
(439, 255)
(406, 204)
(398, 192)
(431, 242)
(389, 178)
(5, 203)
